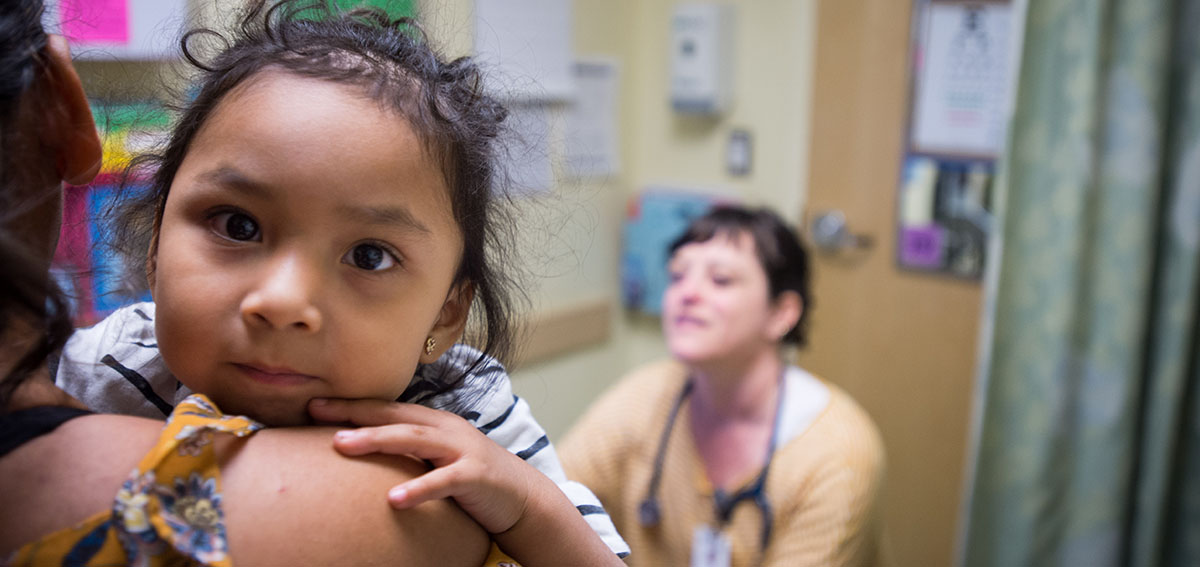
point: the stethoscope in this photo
(649, 511)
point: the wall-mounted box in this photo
(702, 57)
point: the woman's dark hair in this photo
(779, 251)
(27, 294)
(391, 61)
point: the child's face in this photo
(307, 249)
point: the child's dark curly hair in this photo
(390, 60)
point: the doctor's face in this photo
(717, 306)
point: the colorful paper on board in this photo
(71, 268)
(95, 21)
(111, 286)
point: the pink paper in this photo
(95, 21)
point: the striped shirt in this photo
(823, 483)
(114, 367)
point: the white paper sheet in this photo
(527, 45)
(591, 146)
(529, 167)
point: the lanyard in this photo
(650, 512)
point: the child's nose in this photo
(284, 297)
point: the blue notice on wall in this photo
(654, 220)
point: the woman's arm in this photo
(288, 485)
(288, 497)
(529, 517)
(65, 477)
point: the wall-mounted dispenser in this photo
(702, 57)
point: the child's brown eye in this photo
(236, 226)
(241, 227)
(370, 257)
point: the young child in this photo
(319, 226)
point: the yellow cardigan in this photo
(823, 485)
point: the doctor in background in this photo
(726, 454)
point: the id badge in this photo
(710, 548)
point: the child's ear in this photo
(450, 322)
(71, 128)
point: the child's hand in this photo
(488, 482)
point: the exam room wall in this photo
(772, 85)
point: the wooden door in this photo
(901, 343)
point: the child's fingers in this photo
(487, 506)
(369, 412)
(432, 485)
(420, 441)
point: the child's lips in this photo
(274, 375)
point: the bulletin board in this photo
(961, 82)
(94, 278)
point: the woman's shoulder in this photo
(79, 466)
(843, 431)
(289, 476)
(646, 390)
(616, 422)
(657, 374)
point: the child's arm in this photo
(526, 513)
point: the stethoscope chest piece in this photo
(649, 513)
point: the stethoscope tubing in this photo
(649, 510)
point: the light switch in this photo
(739, 153)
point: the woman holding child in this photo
(300, 235)
(727, 454)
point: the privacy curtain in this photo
(1089, 440)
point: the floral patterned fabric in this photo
(169, 511)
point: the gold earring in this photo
(430, 342)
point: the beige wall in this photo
(774, 46)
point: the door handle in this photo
(832, 235)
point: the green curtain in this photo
(1088, 446)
